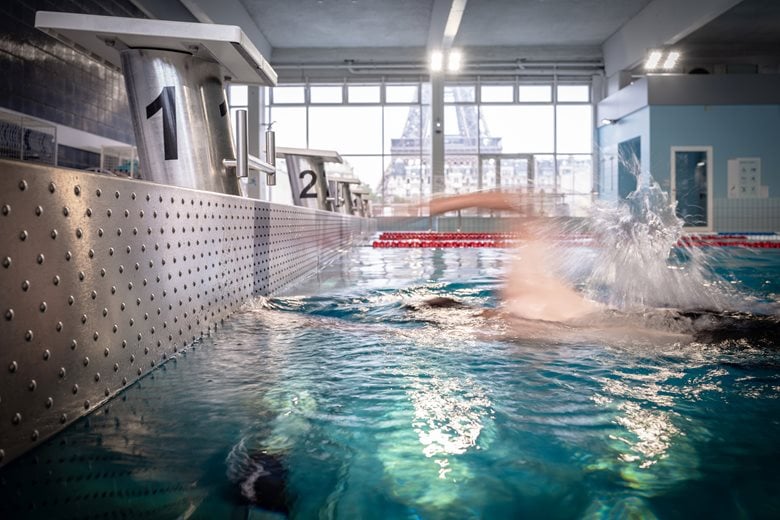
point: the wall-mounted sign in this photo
(744, 179)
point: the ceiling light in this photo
(454, 61)
(437, 60)
(607, 121)
(671, 60)
(653, 59)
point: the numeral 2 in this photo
(306, 191)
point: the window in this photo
(326, 94)
(497, 93)
(402, 94)
(363, 93)
(517, 129)
(573, 93)
(347, 130)
(534, 94)
(460, 93)
(238, 95)
(574, 128)
(288, 95)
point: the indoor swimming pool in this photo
(350, 398)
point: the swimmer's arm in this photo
(495, 200)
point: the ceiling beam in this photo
(164, 10)
(660, 23)
(446, 16)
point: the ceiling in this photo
(307, 39)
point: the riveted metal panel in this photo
(102, 279)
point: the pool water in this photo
(362, 403)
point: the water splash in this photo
(639, 263)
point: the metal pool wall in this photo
(104, 278)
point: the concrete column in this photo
(437, 132)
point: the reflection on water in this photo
(363, 401)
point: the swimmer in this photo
(535, 299)
(531, 291)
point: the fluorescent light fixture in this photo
(454, 60)
(653, 59)
(607, 121)
(671, 60)
(437, 60)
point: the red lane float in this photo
(460, 239)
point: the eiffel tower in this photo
(407, 178)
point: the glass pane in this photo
(401, 94)
(488, 173)
(326, 94)
(516, 129)
(290, 126)
(348, 130)
(461, 129)
(573, 93)
(238, 95)
(368, 169)
(406, 181)
(288, 94)
(459, 93)
(403, 125)
(690, 184)
(513, 173)
(544, 174)
(363, 93)
(575, 128)
(497, 93)
(460, 174)
(535, 94)
(575, 182)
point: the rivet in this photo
(42, 307)
(52, 187)
(109, 213)
(68, 256)
(132, 321)
(73, 344)
(116, 194)
(137, 265)
(116, 367)
(81, 276)
(63, 418)
(102, 273)
(34, 435)
(113, 289)
(146, 349)
(53, 234)
(7, 262)
(17, 418)
(12, 367)
(139, 371)
(138, 301)
(79, 233)
(132, 195)
(49, 402)
(32, 385)
(121, 269)
(6, 209)
(93, 294)
(95, 336)
(28, 335)
(127, 214)
(124, 381)
(46, 354)
(97, 377)
(115, 328)
(83, 318)
(62, 372)
(86, 361)
(70, 300)
(25, 285)
(38, 211)
(98, 192)
(100, 232)
(91, 253)
(132, 358)
(23, 235)
(89, 212)
(9, 314)
(110, 251)
(122, 306)
(56, 280)
(152, 362)
(130, 286)
(58, 326)
(124, 343)
(107, 392)
(86, 404)
(77, 190)
(75, 389)
(141, 213)
(22, 185)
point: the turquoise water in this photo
(366, 404)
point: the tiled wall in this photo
(44, 78)
(71, 157)
(747, 215)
